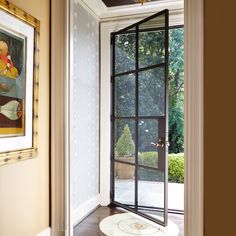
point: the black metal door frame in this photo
(161, 119)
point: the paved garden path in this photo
(150, 193)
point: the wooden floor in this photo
(90, 225)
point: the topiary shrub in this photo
(125, 145)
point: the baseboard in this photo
(85, 209)
(46, 232)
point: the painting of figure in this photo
(12, 83)
(6, 65)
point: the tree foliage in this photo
(176, 91)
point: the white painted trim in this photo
(194, 62)
(105, 30)
(98, 8)
(132, 11)
(176, 16)
(85, 209)
(60, 191)
(95, 6)
(67, 38)
(46, 232)
(70, 85)
(87, 8)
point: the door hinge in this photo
(112, 118)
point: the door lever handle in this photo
(162, 143)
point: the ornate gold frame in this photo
(29, 153)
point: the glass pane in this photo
(124, 183)
(152, 92)
(151, 182)
(151, 48)
(125, 140)
(125, 95)
(148, 136)
(125, 45)
(152, 41)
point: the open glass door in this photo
(139, 174)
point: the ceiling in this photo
(114, 3)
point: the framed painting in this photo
(19, 35)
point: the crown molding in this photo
(103, 13)
(147, 8)
(176, 17)
(96, 7)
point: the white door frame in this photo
(60, 38)
(60, 165)
(194, 106)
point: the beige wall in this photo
(24, 187)
(220, 118)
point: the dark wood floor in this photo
(90, 225)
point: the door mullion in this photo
(136, 120)
(166, 113)
(112, 84)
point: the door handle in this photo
(162, 143)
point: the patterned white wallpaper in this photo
(84, 149)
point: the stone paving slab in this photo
(150, 193)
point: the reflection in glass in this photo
(151, 192)
(124, 187)
(152, 92)
(125, 95)
(125, 45)
(148, 136)
(151, 48)
(124, 140)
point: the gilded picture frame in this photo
(19, 82)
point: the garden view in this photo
(151, 95)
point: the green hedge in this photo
(148, 158)
(175, 167)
